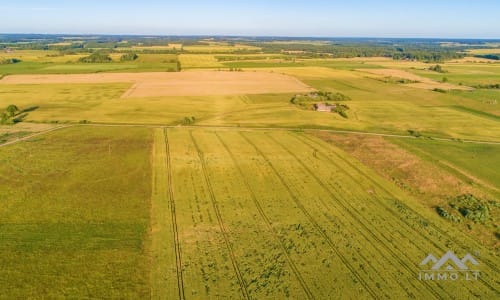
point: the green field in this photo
(234, 213)
(72, 225)
(475, 160)
(50, 62)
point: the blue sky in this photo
(424, 18)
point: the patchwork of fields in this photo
(132, 179)
(258, 99)
(234, 213)
(177, 84)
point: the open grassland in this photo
(473, 59)
(384, 105)
(9, 134)
(29, 55)
(72, 224)
(477, 162)
(466, 74)
(61, 102)
(197, 61)
(225, 214)
(435, 172)
(219, 48)
(495, 50)
(148, 48)
(416, 81)
(52, 62)
(157, 58)
(82, 68)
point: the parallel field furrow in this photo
(263, 215)
(390, 210)
(177, 245)
(222, 226)
(373, 263)
(359, 220)
(164, 274)
(206, 266)
(313, 221)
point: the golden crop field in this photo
(178, 84)
(199, 61)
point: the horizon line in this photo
(251, 36)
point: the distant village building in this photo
(8, 50)
(323, 107)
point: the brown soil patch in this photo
(179, 84)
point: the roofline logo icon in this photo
(449, 267)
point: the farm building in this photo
(324, 107)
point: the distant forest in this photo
(428, 50)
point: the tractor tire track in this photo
(313, 221)
(224, 231)
(177, 245)
(268, 222)
(394, 213)
(357, 220)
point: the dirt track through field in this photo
(159, 84)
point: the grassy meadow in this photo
(72, 224)
(477, 162)
(51, 62)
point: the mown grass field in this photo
(214, 213)
(72, 225)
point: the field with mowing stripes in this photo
(254, 219)
(234, 213)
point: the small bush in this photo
(444, 214)
(129, 57)
(488, 86)
(437, 68)
(188, 121)
(471, 208)
(414, 133)
(9, 61)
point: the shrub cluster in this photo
(96, 57)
